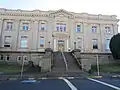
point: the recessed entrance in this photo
(61, 45)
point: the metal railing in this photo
(65, 61)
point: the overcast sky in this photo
(107, 7)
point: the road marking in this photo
(70, 84)
(109, 85)
(28, 81)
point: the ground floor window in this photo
(1, 57)
(7, 57)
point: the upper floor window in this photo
(107, 44)
(24, 42)
(42, 26)
(25, 26)
(94, 29)
(61, 27)
(107, 29)
(95, 43)
(9, 25)
(7, 41)
(78, 27)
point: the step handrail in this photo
(76, 59)
(65, 61)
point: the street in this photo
(61, 84)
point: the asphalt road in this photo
(59, 84)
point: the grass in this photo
(5, 68)
(107, 68)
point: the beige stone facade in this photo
(58, 30)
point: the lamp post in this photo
(22, 68)
(74, 45)
(49, 44)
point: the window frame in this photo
(106, 44)
(6, 58)
(25, 57)
(7, 44)
(78, 28)
(18, 58)
(24, 25)
(108, 30)
(9, 26)
(95, 47)
(94, 29)
(24, 38)
(1, 56)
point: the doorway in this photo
(61, 45)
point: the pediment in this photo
(61, 13)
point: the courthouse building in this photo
(23, 30)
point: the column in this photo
(35, 37)
(17, 29)
(1, 29)
(115, 29)
(100, 46)
(54, 44)
(67, 45)
(86, 40)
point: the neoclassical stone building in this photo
(22, 30)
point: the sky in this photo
(105, 7)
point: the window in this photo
(58, 26)
(95, 43)
(7, 41)
(61, 27)
(64, 27)
(7, 57)
(9, 25)
(19, 58)
(41, 43)
(108, 29)
(78, 28)
(25, 26)
(94, 29)
(25, 58)
(1, 57)
(107, 44)
(79, 43)
(43, 26)
(24, 41)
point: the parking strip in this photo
(109, 85)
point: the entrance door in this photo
(61, 45)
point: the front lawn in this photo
(5, 68)
(107, 68)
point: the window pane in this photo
(41, 41)
(107, 43)
(43, 27)
(9, 25)
(25, 26)
(23, 43)
(78, 28)
(94, 29)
